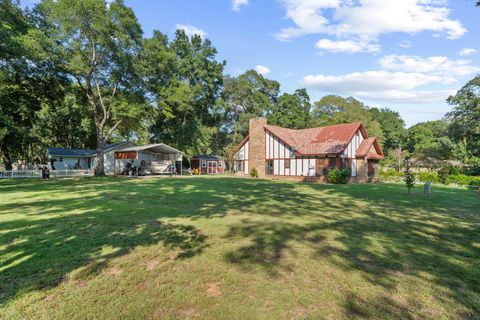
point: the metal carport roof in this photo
(155, 148)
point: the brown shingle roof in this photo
(321, 140)
(364, 150)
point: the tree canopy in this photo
(81, 74)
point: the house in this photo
(288, 153)
(153, 158)
(207, 164)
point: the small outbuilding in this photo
(207, 164)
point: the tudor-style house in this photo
(281, 152)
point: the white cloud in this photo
(348, 46)
(262, 69)
(237, 4)
(467, 51)
(382, 85)
(405, 44)
(437, 65)
(366, 20)
(191, 30)
(373, 81)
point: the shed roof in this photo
(207, 157)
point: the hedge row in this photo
(459, 179)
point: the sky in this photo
(407, 55)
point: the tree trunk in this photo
(100, 167)
(7, 161)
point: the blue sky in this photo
(408, 55)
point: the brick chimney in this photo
(256, 152)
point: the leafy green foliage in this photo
(96, 44)
(408, 175)
(393, 128)
(247, 96)
(463, 180)
(390, 175)
(336, 110)
(339, 176)
(292, 111)
(254, 173)
(183, 85)
(465, 117)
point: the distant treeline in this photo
(80, 74)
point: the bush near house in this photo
(339, 176)
(254, 173)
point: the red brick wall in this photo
(256, 152)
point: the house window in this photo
(238, 166)
(269, 166)
(60, 159)
(287, 163)
(204, 163)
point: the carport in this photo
(153, 158)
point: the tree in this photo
(333, 109)
(465, 117)
(408, 176)
(246, 96)
(292, 110)
(184, 85)
(428, 142)
(23, 84)
(95, 44)
(393, 127)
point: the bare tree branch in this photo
(112, 129)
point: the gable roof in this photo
(67, 152)
(244, 140)
(365, 147)
(321, 140)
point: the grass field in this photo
(231, 248)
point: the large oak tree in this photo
(95, 43)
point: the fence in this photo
(14, 174)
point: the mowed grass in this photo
(231, 248)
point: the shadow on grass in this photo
(437, 235)
(385, 234)
(63, 225)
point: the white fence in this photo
(13, 174)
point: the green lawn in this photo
(231, 248)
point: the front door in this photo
(212, 167)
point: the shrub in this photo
(443, 174)
(391, 175)
(428, 176)
(339, 176)
(463, 180)
(254, 173)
